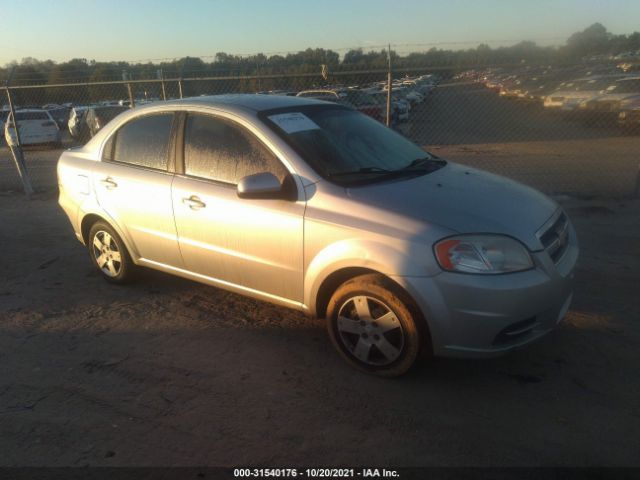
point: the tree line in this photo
(593, 41)
(309, 68)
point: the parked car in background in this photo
(4, 113)
(35, 126)
(570, 94)
(97, 117)
(407, 93)
(605, 108)
(399, 110)
(629, 114)
(314, 206)
(354, 98)
(60, 115)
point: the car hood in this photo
(465, 200)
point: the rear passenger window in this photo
(143, 142)
(218, 150)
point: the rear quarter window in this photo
(142, 142)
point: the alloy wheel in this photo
(107, 254)
(370, 331)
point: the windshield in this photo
(32, 116)
(347, 146)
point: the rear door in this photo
(133, 185)
(252, 244)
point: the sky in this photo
(141, 30)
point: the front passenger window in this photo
(216, 149)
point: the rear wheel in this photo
(109, 254)
(372, 326)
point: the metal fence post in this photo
(164, 91)
(389, 87)
(180, 87)
(132, 101)
(125, 78)
(16, 150)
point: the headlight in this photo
(485, 254)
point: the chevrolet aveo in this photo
(315, 206)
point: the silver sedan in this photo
(317, 207)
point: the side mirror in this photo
(263, 185)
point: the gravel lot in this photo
(169, 372)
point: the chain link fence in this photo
(531, 124)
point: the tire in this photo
(374, 326)
(109, 254)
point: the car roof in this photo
(244, 101)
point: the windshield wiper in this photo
(376, 170)
(425, 163)
(419, 166)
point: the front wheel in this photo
(109, 254)
(373, 327)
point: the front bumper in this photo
(488, 315)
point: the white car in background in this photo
(35, 126)
(570, 94)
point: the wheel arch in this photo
(90, 218)
(86, 224)
(338, 277)
(332, 282)
(343, 275)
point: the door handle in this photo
(109, 183)
(194, 202)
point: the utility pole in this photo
(16, 150)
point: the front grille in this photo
(555, 239)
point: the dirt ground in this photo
(170, 372)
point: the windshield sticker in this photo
(293, 122)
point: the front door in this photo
(252, 244)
